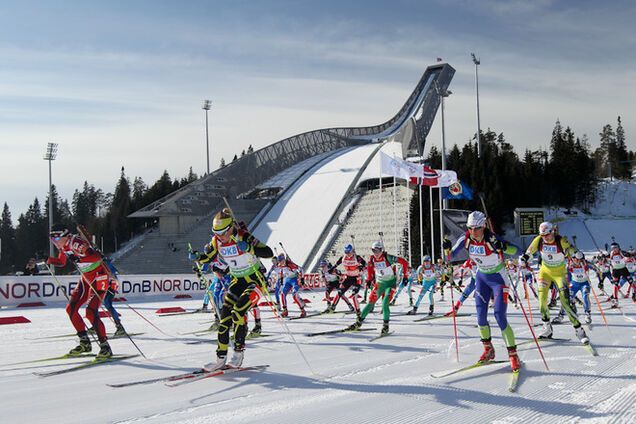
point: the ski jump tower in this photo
(270, 187)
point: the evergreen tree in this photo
(222, 164)
(623, 168)
(120, 209)
(7, 240)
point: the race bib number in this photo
(383, 270)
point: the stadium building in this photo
(312, 192)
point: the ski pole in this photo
(525, 288)
(68, 299)
(599, 306)
(455, 325)
(101, 305)
(532, 331)
(283, 324)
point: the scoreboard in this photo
(527, 221)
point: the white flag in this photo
(400, 168)
(445, 178)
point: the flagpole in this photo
(430, 196)
(380, 194)
(421, 224)
(397, 252)
(441, 224)
(408, 218)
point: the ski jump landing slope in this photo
(302, 213)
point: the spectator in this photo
(31, 268)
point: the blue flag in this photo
(457, 191)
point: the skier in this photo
(511, 269)
(353, 265)
(429, 275)
(108, 304)
(553, 249)
(381, 268)
(527, 276)
(620, 273)
(92, 287)
(468, 267)
(487, 250)
(240, 250)
(630, 263)
(275, 280)
(331, 280)
(290, 274)
(578, 270)
(405, 284)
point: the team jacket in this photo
(488, 253)
(384, 269)
(80, 251)
(552, 254)
(240, 253)
(353, 266)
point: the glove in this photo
(73, 258)
(525, 258)
(193, 256)
(600, 285)
(498, 245)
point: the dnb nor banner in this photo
(15, 290)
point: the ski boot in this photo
(256, 331)
(515, 363)
(237, 356)
(104, 351)
(455, 309)
(83, 347)
(547, 330)
(431, 308)
(284, 313)
(203, 309)
(303, 313)
(120, 332)
(410, 301)
(580, 333)
(221, 358)
(588, 317)
(412, 311)
(614, 303)
(385, 328)
(559, 318)
(355, 326)
(489, 352)
(552, 304)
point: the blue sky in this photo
(121, 83)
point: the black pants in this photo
(236, 304)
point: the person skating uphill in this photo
(553, 249)
(381, 268)
(487, 250)
(240, 250)
(93, 285)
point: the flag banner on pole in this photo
(456, 191)
(436, 178)
(399, 168)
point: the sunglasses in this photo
(221, 232)
(475, 228)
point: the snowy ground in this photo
(356, 381)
